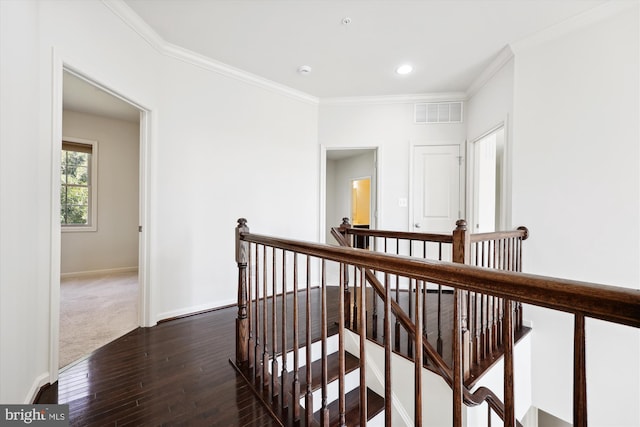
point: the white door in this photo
(436, 188)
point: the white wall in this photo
(390, 128)
(23, 234)
(219, 149)
(489, 107)
(115, 242)
(227, 150)
(576, 186)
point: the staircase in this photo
(285, 384)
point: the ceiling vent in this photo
(438, 112)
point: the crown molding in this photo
(499, 61)
(395, 99)
(137, 24)
(589, 17)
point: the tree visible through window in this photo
(76, 185)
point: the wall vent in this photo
(438, 112)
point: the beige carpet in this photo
(95, 310)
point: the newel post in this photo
(461, 243)
(242, 323)
(461, 254)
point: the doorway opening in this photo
(350, 188)
(487, 176)
(99, 289)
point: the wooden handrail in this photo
(482, 394)
(471, 284)
(520, 232)
(598, 301)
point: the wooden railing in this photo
(273, 270)
(482, 319)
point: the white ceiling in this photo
(80, 96)
(449, 43)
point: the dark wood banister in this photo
(598, 301)
(482, 394)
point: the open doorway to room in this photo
(350, 188)
(487, 187)
(99, 219)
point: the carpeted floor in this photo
(95, 310)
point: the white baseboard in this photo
(41, 380)
(194, 309)
(99, 272)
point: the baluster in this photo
(417, 358)
(517, 267)
(457, 359)
(466, 339)
(500, 321)
(424, 310)
(341, 356)
(324, 415)
(347, 299)
(490, 324)
(494, 323)
(362, 331)
(374, 315)
(295, 385)
(274, 329)
(250, 341)
(483, 326)
(579, 373)
(410, 313)
(439, 340)
(283, 377)
(242, 335)
(478, 323)
(354, 323)
(308, 397)
(509, 400)
(257, 350)
(388, 387)
(397, 325)
(265, 349)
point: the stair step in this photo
(375, 406)
(351, 378)
(351, 363)
(316, 352)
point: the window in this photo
(78, 164)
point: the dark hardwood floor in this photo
(178, 372)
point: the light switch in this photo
(402, 202)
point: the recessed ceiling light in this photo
(304, 70)
(404, 69)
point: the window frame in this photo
(92, 215)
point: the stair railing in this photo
(262, 287)
(482, 315)
(436, 362)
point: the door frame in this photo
(505, 222)
(413, 144)
(59, 65)
(376, 216)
